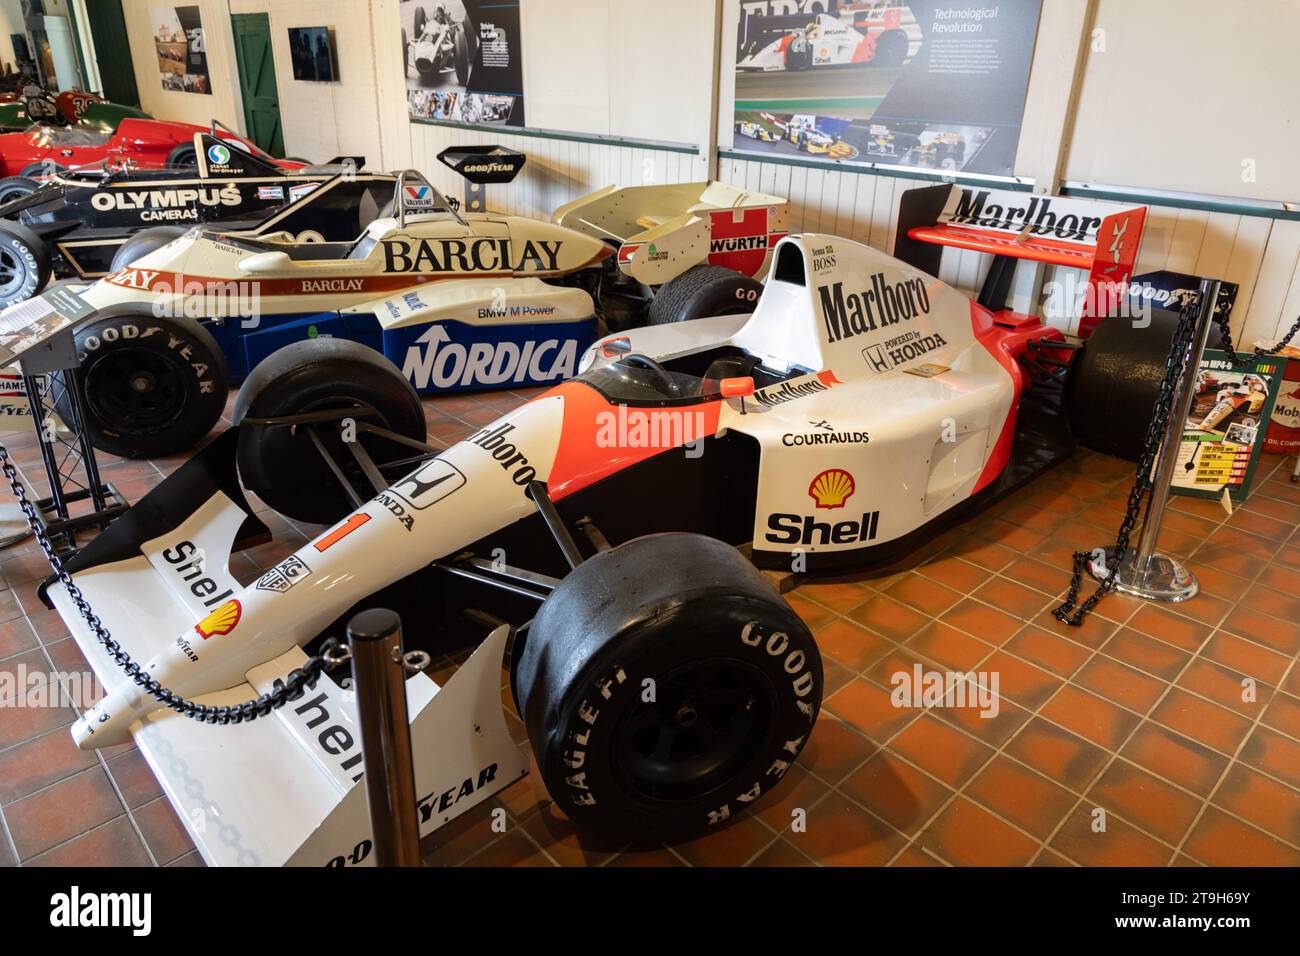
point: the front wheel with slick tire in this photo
(144, 242)
(666, 687)
(281, 464)
(15, 187)
(702, 291)
(182, 156)
(24, 263)
(45, 167)
(151, 385)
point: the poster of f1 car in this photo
(462, 61)
(938, 84)
(1224, 432)
(182, 55)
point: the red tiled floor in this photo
(968, 835)
(1161, 686)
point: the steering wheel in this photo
(662, 379)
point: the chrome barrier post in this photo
(1144, 572)
(379, 673)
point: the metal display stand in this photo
(379, 670)
(71, 469)
(1144, 572)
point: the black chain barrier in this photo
(293, 687)
(1071, 611)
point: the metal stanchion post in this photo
(375, 641)
(1144, 573)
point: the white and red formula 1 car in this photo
(888, 37)
(665, 686)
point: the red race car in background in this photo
(146, 143)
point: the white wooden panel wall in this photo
(557, 170)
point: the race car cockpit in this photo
(725, 372)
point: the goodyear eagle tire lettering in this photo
(667, 705)
(24, 263)
(152, 385)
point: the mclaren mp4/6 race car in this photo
(861, 403)
(86, 223)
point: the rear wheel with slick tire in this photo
(46, 167)
(152, 385)
(15, 187)
(703, 291)
(24, 263)
(144, 242)
(1114, 380)
(280, 463)
(666, 687)
(182, 156)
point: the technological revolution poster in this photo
(938, 84)
(462, 61)
(182, 54)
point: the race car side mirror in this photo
(739, 387)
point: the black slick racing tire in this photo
(144, 242)
(15, 187)
(24, 263)
(419, 22)
(151, 385)
(406, 55)
(280, 464)
(665, 686)
(182, 156)
(1114, 380)
(703, 291)
(45, 167)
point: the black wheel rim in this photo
(135, 391)
(13, 273)
(183, 159)
(709, 719)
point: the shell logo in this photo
(221, 621)
(832, 488)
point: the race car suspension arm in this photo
(505, 577)
(554, 523)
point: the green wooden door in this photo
(113, 53)
(257, 80)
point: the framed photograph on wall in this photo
(312, 51)
(182, 54)
(936, 84)
(462, 61)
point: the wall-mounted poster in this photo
(462, 61)
(937, 84)
(182, 56)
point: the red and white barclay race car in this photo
(857, 405)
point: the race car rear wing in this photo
(482, 166)
(663, 230)
(1099, 237)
